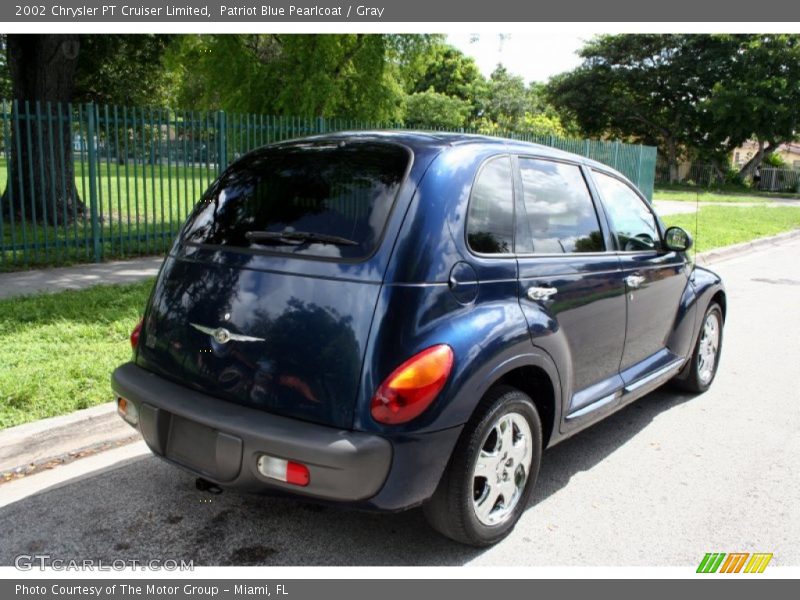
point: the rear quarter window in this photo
(326, 200)
(490, 219)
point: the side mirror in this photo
(677, 239)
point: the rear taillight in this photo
(412, 386)
(135, 334)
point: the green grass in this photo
(136, 189)
(682, 193)
(57, 351)
(706, 196)
(719, 226)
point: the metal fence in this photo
(697, 175)
(84, 183)
(779, 180)
(702, 176)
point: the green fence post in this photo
(639, 168)
(222, 142)
(92, 152)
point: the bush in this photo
(432, 110)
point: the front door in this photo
(654, 278)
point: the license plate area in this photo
(204, 449)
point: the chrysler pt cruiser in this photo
(391, 320)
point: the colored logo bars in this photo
(720, 562)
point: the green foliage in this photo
(433, 110)
(695, 96)
(776, 161)
(541, 124)
(630, 86)
(124, 69)
(446, 70)
(353, 75)
(418, 80)
(506, 100)
(755, 88)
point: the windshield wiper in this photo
(298, 236)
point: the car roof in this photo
(418, 140)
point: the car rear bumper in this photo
(222, 441)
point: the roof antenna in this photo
(696, 222)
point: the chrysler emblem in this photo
(223, 336)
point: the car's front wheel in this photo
(492, 471)
(701, 371)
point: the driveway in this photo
(662, 482)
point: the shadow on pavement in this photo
(146, 509)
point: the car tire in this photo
(701, 371)
(497, 456)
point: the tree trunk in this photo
(765, 149)
(41, 178)
(672, 160)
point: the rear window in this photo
(317, 199)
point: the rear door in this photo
(654, 278)
(570, 285)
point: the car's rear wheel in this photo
(705, 358)
(492, 471)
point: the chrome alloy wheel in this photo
(501, 469)
(709, 346)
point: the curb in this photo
(727, 252)
(51, 442)
(29, 447)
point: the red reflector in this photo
(283, 470)
(413, 386)
(135, 334)
(297, 474)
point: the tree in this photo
(42, 71)
(124, 69)
(354, 75)
(432, 110)
(52, 70)
(449, 71)
(755, 92)
(640, 87)
(695, 96)
(506, 99)
(541, 124)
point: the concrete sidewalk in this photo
(23, 283)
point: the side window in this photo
(490, 221)
(560, 214)
(631, 219)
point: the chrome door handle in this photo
(541, 293)
(635, 281)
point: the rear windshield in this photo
(325, 200)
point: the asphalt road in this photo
(660, 483)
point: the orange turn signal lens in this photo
(127, 410)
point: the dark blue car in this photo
(391, 320)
